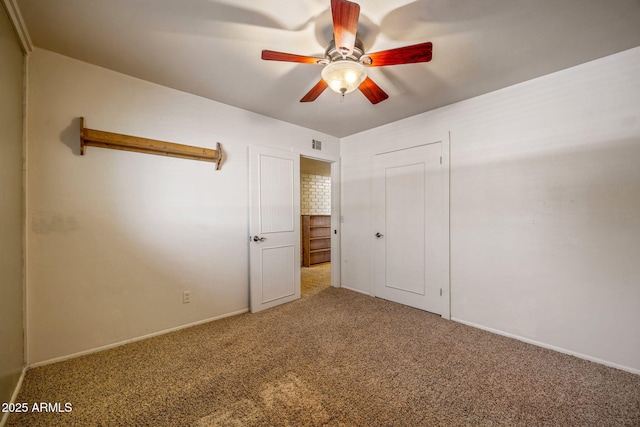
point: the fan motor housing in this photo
(333, 54)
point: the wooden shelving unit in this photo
(316, 239)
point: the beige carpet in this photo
(314, 279)
(334, 358)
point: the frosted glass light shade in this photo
(344, 76)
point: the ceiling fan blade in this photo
(372, 91)
(271, 55)
(315, 92)
(345, 24)
(402, 55)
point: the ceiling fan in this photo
(345, 60)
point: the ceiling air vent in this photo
(316, 145)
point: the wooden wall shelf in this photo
(116, 141)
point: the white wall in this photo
(115, 237)
(11, 211)
(545, 208)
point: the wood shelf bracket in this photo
(116, 141)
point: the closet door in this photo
(410, 233)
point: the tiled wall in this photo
(315, 193)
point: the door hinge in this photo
(440, 159)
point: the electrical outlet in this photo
(186, 297)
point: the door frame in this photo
(335, 211)
(335, 207)
(445, 139)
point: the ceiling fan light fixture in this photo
(344, 76)
(345, 60)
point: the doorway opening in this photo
(315, 226)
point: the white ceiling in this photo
(212, 48)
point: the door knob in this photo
(378, 235)
(259, 239)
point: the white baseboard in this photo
(360, 291)
(550, 347)
(14, 396)
(143, 337)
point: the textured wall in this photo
(115, 237)
(545, 207)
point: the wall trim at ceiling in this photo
(13, 11)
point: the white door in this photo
(274, 241)
(411, 230)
